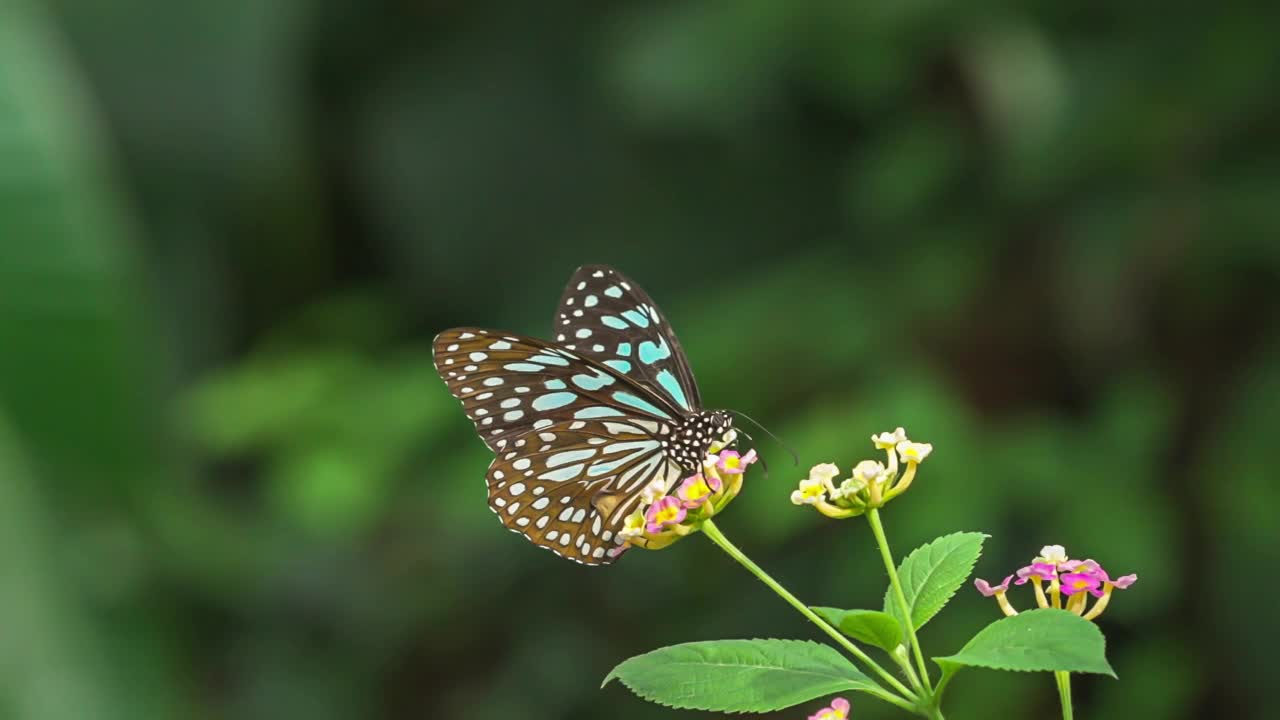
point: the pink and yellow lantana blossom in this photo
(837, 710)
(663, 518)
(1053, 576)
(871, 484)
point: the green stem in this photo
(904, 662)
(873, 516)
(1064, 693)
(713, 533)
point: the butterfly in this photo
(580, 426)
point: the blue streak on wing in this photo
(569, 456)
(551, 401)
(592, 381)
(651, 353)
(639, 403)
(563, 474)
(637, 318)
(668, 383)
(636, 450)
(597, 411)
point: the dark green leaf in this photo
(932, 573)
(868, 626)
(739, 675)
(1037, 640)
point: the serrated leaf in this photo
(932, 573)
(1035, 641)
(869, 626)
(739, 675)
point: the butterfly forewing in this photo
(606, 316)
(569, 486)
(510, 384)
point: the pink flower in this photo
(1075, 582)
(1082, 576)
(733, 463)
(1120, 583)
(1123, 581)
(988, 590)
(664, 513)
(1083, 566)
(839, 710)
(695, 490)
(1044, 571)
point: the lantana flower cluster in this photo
(663, 518)
(1054, 576)
(870, 485)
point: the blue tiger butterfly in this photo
(580, 426)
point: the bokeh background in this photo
(1042, 236)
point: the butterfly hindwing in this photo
(569, 486)
(509, 384)
(606, 316)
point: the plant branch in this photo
(713, 533)
(1064, 693)
(873, 516)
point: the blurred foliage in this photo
(1042, 237)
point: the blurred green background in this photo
(1042, 236)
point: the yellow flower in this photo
(811, 491)
(632, 526)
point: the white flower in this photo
(810, 492)
(653, 491)
(851, 486)
(823, 473)
(869, 471)
(913, 452)
(1055, 554)
(633, 526)
(889, 441)
(710, 460)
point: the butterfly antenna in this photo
(794, 457)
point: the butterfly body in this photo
(580, 426)
(691, 438)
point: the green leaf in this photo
(1033, 641)
(932, 573)
(739, 675)
(869, 626)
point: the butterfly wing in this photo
(606, 316)
(568, 487)
(575, 440)
(510, 384)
